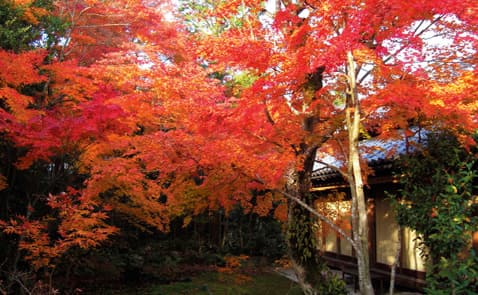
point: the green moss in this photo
(216, 283)
(212, 283)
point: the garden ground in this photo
(215, 283)
(277, 281)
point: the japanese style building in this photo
(385, 236)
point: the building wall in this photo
(387, 232)
(411, 258)
(330, 243)
(345, 246)
(337, 244)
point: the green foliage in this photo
(437, 200)
(238, 82)
(459, 275)
(332, 285)
(253, 235)
(15, 33)
(197, 16)
(18, 32)
(301, 236)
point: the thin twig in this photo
(405, 46)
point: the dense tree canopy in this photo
(143, 111)
(329, 72)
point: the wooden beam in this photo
(374, 180)
(326, 188)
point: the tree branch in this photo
(333, 167)
(415, 33)
(322, 218)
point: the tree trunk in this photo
(359, 207)
(302, 249)
(301, 237)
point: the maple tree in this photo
(127, 108)
(107, 115)
(378, 68)
(73, 97)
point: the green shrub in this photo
(438, 202)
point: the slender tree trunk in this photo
(359, 207)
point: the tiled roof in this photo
(379, 154)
